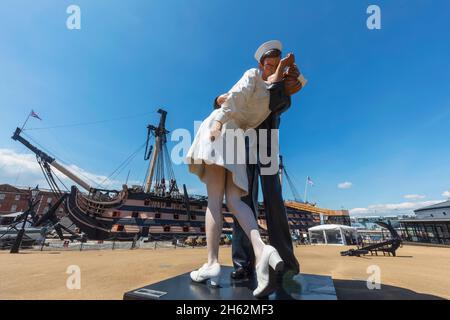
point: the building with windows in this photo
(430, 225)
(15, 199)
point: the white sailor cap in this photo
(267, 46)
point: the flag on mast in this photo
(308, 182)
(31, 114)
(34, 115)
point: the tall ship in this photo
(158, 209)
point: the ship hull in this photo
(136, 214)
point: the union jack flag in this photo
(34, 115)
(310, 181)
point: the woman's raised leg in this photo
(243, 214)
(265, 255)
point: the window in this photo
(166, 228)
(202, 229)
(17, 197)
(2, 196)
(185, 229)
(115, 214)
(135, 214)
(176, 216)
(193, 217)
(120, 228)
(13, 208)
(146, 202)
(49, 200)
(157, 215)
(168, 204)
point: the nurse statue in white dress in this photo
(246, 107)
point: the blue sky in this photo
(374, 113)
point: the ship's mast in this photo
(160, 139)
(41, 155)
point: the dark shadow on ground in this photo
(357, 290)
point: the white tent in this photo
(333, 234)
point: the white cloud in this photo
(413, 196)
(446, 194)
(392, 208)
(358, 211)
(22, 169)
(345, 185)
(14, 167)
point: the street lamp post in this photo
(31, 204)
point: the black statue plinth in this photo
(300, 287)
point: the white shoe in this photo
(204, 273)
(269, 257)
